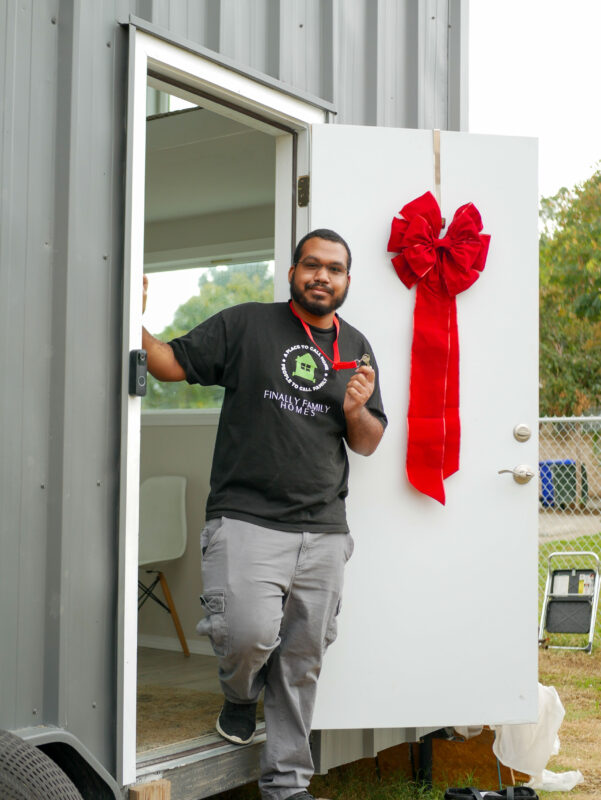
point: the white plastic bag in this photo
(528, 747)
(556, 781)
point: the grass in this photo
(359, 788)
(587, 542)
(577, 678)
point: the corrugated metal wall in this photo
(63, 93)
(63, 68)
(363, 55)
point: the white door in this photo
(439, 618)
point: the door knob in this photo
(521, 474)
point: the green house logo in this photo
(305, 368)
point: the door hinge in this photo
(303, 191)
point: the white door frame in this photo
(273, 111)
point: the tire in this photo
(27, 773)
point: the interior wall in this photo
(179, 450)
(223, 233)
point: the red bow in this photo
(441, 268)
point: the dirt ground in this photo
(577, 678)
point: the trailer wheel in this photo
(27, 773)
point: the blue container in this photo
(558, 482)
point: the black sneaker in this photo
(236, 722)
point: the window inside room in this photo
(181, 299)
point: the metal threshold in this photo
(203, 766)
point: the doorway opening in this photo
(210, 186)
(210, 197)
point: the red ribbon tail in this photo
(426, 431)
(424, 456)
(452, 420)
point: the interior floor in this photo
(172, 668)
(179, 699)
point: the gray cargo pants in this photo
(271, 599)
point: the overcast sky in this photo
(535, 70)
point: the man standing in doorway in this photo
(299, 382)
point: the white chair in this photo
(163, 535)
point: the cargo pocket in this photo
(214, 625)
(332, 629)
(208, 534)
(350, 547)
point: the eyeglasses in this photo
(333, 270)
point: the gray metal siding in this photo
(376, 63)
(28, 98)
(62, 143)
(85, 390)
(250, 34)
(197, 20)
(306, 45)
(63, 85)
(363, 55)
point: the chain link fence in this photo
(569, 498)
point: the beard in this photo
(317, 307)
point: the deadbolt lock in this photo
(522, 432)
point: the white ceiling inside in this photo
(198, 162)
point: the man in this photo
(276, 538)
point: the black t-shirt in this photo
(279, 459)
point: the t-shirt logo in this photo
(305, 368)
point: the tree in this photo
(219, 288)
(570, 300)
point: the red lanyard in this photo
(336, 363)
